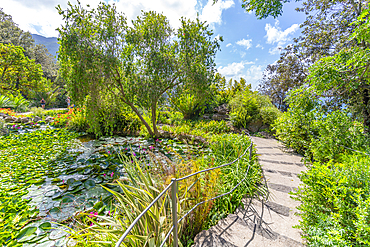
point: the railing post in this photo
(174, 211)
(250, 152)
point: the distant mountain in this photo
(50, 43)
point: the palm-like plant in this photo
(18, 102)
(5, 101)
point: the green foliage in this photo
(38, 111)
(335, 202)
(5, 101)
(318, 40)
(18, 72)
(78, 121)
(226, 148)
(10, 33)
(114, 118)
(188, 104)
(224, 92)
(47, 91)
(170, 116)
(138, 191)
(19, 103)
(137, 65)
(248, 106)
(201, 128)
(25, 160)
(54, 113)
(312, 130)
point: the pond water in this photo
(88, 164)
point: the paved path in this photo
(245, 227)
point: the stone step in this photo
(281, 157)
(246, 229)
(287, 179)
(286, 174)
(282, 167)
(278, 218)
(282, 198)
(258, 224)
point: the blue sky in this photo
(249, 44)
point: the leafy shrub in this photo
(188, 104)
(170, 116)
(78, 121)
(38, 111)
(18, 103)
(335, 202)
(203, 128)
(269, 114)
(316, 133)
(3, 129)
(248, 106)
(54, 113)
(116, 121)
(5, 101)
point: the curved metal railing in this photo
(173, 186)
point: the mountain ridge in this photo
(50, 43)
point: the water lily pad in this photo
(68, 198)
(50, 193)
(71, 243)
(26, 232)
(36, 181)
(56, 180)
(87, 171)
(77, 189)
(46, 226)
(71, 181)
(74, 185)
(39, 239)
(98, 205)
(47, 244)
(29, 244)
(61, 242)
(27, 238)
(89, 184)
(57, 234)
(54, 210)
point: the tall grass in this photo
(138, 190)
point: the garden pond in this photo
(50, 174)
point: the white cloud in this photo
(229, 44)
(275, 50)
(231, 69)
(245, 42)
(212, 13)
(236, 70)
(260, 46)
(41, 17)
(274, 34)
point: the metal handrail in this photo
(173, 184)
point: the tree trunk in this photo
(151, 133)
(154, 118)
(365, 110)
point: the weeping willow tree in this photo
(136, 66)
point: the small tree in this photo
(18, 73)
(137, 65)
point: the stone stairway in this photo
(262, 224)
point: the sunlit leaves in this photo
(17, 72)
